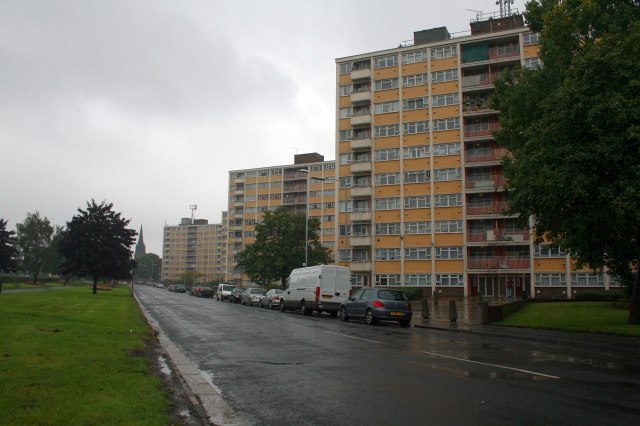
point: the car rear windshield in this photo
(226, 288)
(257, 291)
(391, 295)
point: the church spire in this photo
(140, 248)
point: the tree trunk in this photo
(35, 279)
(634, 311)
(95, 285)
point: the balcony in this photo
(361, 216)
(361, 74)
(484, 155)
(494, 208)
(498, 236)
(491, 184)
(360, 266)
(361, 192)
(499, 263)
(481, 129)
(361, 96)
(361, 241)
(361, 167)
(361, 144)
(361, 120)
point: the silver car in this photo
(377, 304)
(271, 299)
(252, 295)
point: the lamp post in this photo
(306, 222)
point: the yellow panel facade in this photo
(448, 266)
(444, 64)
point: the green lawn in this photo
(595, 317)
(71, 357)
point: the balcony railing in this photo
(499, 235)
(480, 129)
(494, 208)
(478, 156)
(492, 184)
(499, 263)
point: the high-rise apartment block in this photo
(194, 246)
(420, 190)
(306, 187)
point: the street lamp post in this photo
(306, 222)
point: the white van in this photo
(317, 288)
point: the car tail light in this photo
(378, 304)
(409, 307)
(276, 297)
(317, 294)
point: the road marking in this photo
(351, 337)
(492, 365)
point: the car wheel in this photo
(305, 311)
(405, 323)
(282, 308)
(270, 305)
(343, 314)
(369, 318)
(242, 302)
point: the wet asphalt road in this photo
(278, 368)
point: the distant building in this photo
(140, 247)
(194, 246)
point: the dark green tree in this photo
(279, 247)
(8, 250)
(573, 128)
(149, 266)
(97, 243)
(34, 240)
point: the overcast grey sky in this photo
(149, 103)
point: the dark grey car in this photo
(377, 304)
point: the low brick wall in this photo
(498, 312)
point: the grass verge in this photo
(71, 357)
(593, 317)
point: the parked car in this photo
(171, 288)
(271, 299)
(205, 292)
(252, 295)
(317, 288)
(224, 291)
(376, 304)
(179, 288)
(236, 295)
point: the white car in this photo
(252, 295)
(224, 291)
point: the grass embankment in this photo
(71, 357)
(593, 317)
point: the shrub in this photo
(600, 296)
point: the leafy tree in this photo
(8, 250)
(97, 243)
(190, 278)
(573, 128)
(34, 238)
(149, 267)
(279, 247)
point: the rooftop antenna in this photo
(193, 208)
(477, 12)
(295, 148)
(505, 7)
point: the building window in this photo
(345, 135)
(420, 151)
(447, 149)
(415, 127)
(542, 250)
(385, 61)
(446, 124)
(532, 63)
(448, 226)
(346, 90)
(415, 103)
(329, 166)
(387, 254)
(417, 227)
(346, 68)
(418, 176)
(388, 203)
(413, 57)
(344, 255)
(445, 175)
(449, 253)
(530, 38)
(387, 228)
(416, 202)
(450, 280)
(587, 279)
(345, 112)
(386, 84)
(387, 154)
(415, 80)
(444, 52)
(417, 280)
(417, 253)
(387, 179)
(387, 280)
(550, 280)
(385, 131)
(445, 100)
(448, 200)
(386, 107)
(442, 76)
